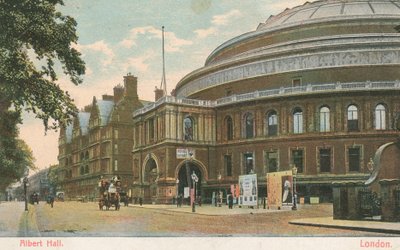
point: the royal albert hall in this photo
(315, 86)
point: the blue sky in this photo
(121, 36)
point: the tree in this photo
(16, 158)
(35, 39)
(52, 176)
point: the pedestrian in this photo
(51, 200)
(180, 200)
(140, 201)
(126, 201)
(230, 201)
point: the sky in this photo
(124, 36)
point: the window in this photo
(249, 125)
(115, 165)
(297, 158)
(272, 123)
(271, 161)
(115, 148)
(352, 118)
(248, 163)
(297, 121)
(229, 128)
(188, 128)
(86, 169)
(325, 160)
(116, 133)
(324, 121)
(151, 129)
(354, 159)
(380, 117)
(296, 82)
(228, 164)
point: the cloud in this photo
(140, 63)
(225, 18)
(217, 22)
(203, 33)
(175, 44)
(99, 46)
(172, 42)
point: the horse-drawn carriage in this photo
(109, 194)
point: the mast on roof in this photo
(163, 85)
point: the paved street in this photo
(78, 219)
(11, 213)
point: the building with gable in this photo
(99, 142)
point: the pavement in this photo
(329, 222)
(15, 221)
(211, 210)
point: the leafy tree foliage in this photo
(15, 156)
(36, 42)
(34, 37)
(52, 176)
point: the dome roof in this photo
(308, 42)
(332, 9)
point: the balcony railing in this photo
(310, 88)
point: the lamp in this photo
(294, 172)
(177, 191)
(195, 179)
(219, 189)
(25, 181)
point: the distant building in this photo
(39, 183)
(99, 142)
(316, 87)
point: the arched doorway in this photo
(150, 177)
(185, 179)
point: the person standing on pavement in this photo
(230, 201)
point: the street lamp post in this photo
(25, 181)
(195, 179)
(177, 192)
(219, 190)
(294, 172)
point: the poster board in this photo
(248, 190)
(279, 183)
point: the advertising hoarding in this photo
(279, 188)
(248, 190)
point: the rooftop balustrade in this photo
(306, 89)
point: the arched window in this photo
(324, 121)
(229, 128)
(82, 156)
(248, 125)
(272, 122)
(188, 128)
(380, 117)
(297, 121)
(352, 118)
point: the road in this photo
(77, 219)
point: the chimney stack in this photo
(130, 84)
(118, 93)
(158, 93)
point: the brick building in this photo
(99, 142)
